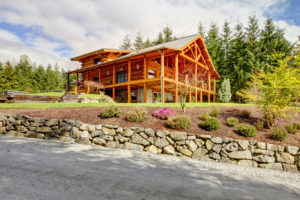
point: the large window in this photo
(97, 61)
(121, 77)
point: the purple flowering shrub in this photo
(163, 113)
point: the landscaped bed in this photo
(91, 115)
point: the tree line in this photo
(27, 77)
(237, 53)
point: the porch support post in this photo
(128, 94)
(214, 90)
(162, 90)
(176, 93)
(76, 87)
(145, 69)
(129, 71)
(208, 84)
(114, 93)
(196, 95)
(88, 78)
(201, 97)
(114, 74)
(145, 93)
(190, 95)
(162, 77)
(68, 84)
(176, 68)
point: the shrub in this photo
(135, 116)
(203, 116)
(278, 133)
(232, 121)
(259, 125)
(245, 113)
(210, 124)
(291, 128)
(110, 112)
(215, 112)
(246, 130)
(180, 122)
(163, 113)
(296, 125)
(224, 93)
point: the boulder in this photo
(264, 152)
(248, 163)
(273, 147)
(289, 168)
(99, 141)
(209, 144)
(150, 132)
(2, 130)
(107, 137)
(285, 158)
(204, 137)
(191, 137)
(121, 138)
(137, 139)
(108, 131)
(132, 146)
(192, 146)
(85, 134)
(274, 166)
(160, 134)
(199, 142)
(169, 149)
(264, 159)
(232, 147)
(243, 144)
(143, 135)
(34, 135)
(43, 129)
(84, 127)
(217, 140)
(292, 150)
(152, 149)
(96, 133)
(98, 127)
(178, 136)
(22, 129)
(214, 156)
(227, 160)
(161, 142)
(112, 144)
(120, 130)
(184, 151)
(52, 122)
(240, 155)
(261, 145)
(127, 132)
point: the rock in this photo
(152, 149)
(199, 153)
(240, 155)
(112, 144)
(285, 158)
(160, 134)
(209, 144)
(261, 145)
(214, 156)
(85, 134)
(84, 127)
(192, 146)
(274, 166)
(292, 150)
(232, 147)
(184, 151)
(108, 131)
(84, 141)
(224, 153)
(289, 168)
(248, 163)
(227, 140)
(65, 133)
(273, 147)
(2, 130)
(151, 140)
(181, 142)
(132, 146)
(264, 159)
(217, 148)
(204, 137)
(137, 139)
(96, 133)
(98, 127)
(120, 130)
(143, 135)
(34, 135)
(110, 126)
(121, 138)
(137, 129)
(52, 122)
(43, 129)
(99, 141)
(170, 140)
(169, 149)
(91, 128)
(161, 142)
(243, 144)
(227, 160)
(107, 137)
(178, 136)
(150, 132)
(66, 139)
(22, 129)
(199, 142)
(264, 152)
(74, 132)
(191, 137)
(217, 140)
(127, 132)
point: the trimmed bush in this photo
(245, 113)
(210, 124)
(180, 122)
(296, 125)
(279, 133)
(110, 112)
(215, 112)
(232, 121)
(203, 116)
(246, 130)
(135, 116)
(259, 125)
(163, 113)
(291, 128)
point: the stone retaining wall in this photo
(201, 147)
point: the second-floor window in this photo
(121, 77)
(97, 61)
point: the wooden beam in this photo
(214, 85)
(129, 71)
(201, 96)
(145, 68)
(176, 93)
(196, 96)
(128, 94)
(196, 76)
(114, 74)
(190, 95)
(162, 74)
(114, 93)
(194, 61)
(88, 78)
(209, 84)
(162, 90)
(145, 93)
(176, 68)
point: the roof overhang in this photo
(100, 51)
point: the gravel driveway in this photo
(38, 169)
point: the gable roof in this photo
(101, 51)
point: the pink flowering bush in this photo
(163, 113)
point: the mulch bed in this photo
(91, 115)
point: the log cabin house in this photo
(158, 73)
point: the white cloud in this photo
(85, 25)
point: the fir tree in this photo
(126, 44)
(224, 93)
(138, 43)
(10, 79)
(39, 80)
(159, 39)
(201, 30)
(147, 43)
(167, 34)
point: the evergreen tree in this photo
(147, 43)
(59, 84)
(126, 44)
(226, 41)
(2, 78)
(23, 72)
(201, 30)
(9, 77)
(50, 79)
(138, 43)
(39, 80)
(224, 92)
(168, 34)
(159, 40)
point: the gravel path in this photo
(38, 169)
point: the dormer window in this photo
(97, 61)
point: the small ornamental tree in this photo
(224, 92)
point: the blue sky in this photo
(51, 31)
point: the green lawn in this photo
(58, 94)
(87, 105)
